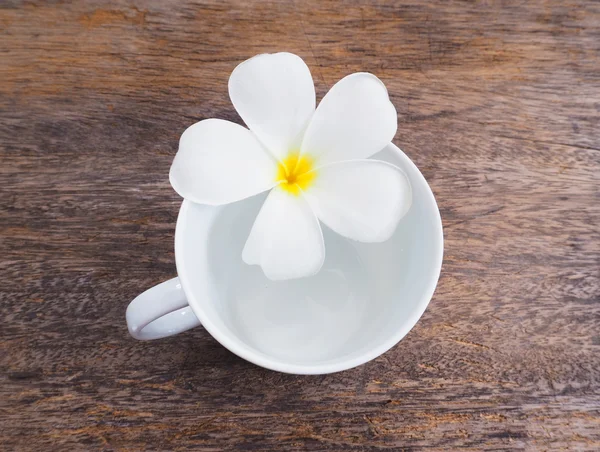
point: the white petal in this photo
(353, 121)
(286, 239)
(219, 162)
(361, 199)
(275, 96)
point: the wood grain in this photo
(499, 106)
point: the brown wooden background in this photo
(499, 106)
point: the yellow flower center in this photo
(295, 173)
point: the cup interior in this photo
(362, 302)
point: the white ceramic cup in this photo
(363, 301)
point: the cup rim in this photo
(271, 363)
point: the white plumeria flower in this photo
(315, 162)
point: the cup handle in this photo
(161, 311)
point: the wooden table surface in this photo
(498, 105)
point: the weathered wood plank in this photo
(499, 105)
